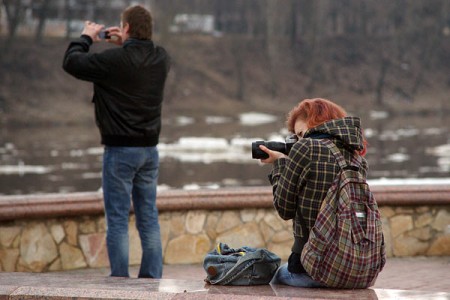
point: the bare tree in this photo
(68, 12)
(434, 17)
(381, 82)
(239, 49)
(310, 31)
(292, 25)
(15, 10)
(42, 17)
(165, 12)
(271, 45)
(1, 25)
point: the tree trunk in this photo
(272, 45)
(68, 18)
(384, 65)
(14, 11)
(42, 18)
(239, 52)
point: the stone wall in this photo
(50, 233)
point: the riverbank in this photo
(203, 81)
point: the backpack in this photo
(345, 247)
(243, 266)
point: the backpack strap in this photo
(300, 242)
(340, 158)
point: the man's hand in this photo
(273, 155)
(92, 29)
(116, 35)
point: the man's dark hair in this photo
(140, 21)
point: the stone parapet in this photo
(62, 232)
(91, 203)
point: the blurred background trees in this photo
(315, 37)
(295, 20)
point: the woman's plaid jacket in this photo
(301, 181)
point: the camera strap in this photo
(318, 135)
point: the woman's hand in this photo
(273, 155)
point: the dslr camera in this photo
(275, 146)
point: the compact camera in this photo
(275, 146)
(104, 35)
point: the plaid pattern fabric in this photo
(301, 182)
(344, 250)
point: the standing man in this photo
(128, 93)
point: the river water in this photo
(211, 152)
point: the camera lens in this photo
(275, 146)
(258, 153)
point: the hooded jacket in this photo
(301, 181)
(128, 88)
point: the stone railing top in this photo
(90, 203)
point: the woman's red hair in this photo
(315, 112)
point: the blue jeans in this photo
(132, 173)
(283, 276)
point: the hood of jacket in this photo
(347, 130)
